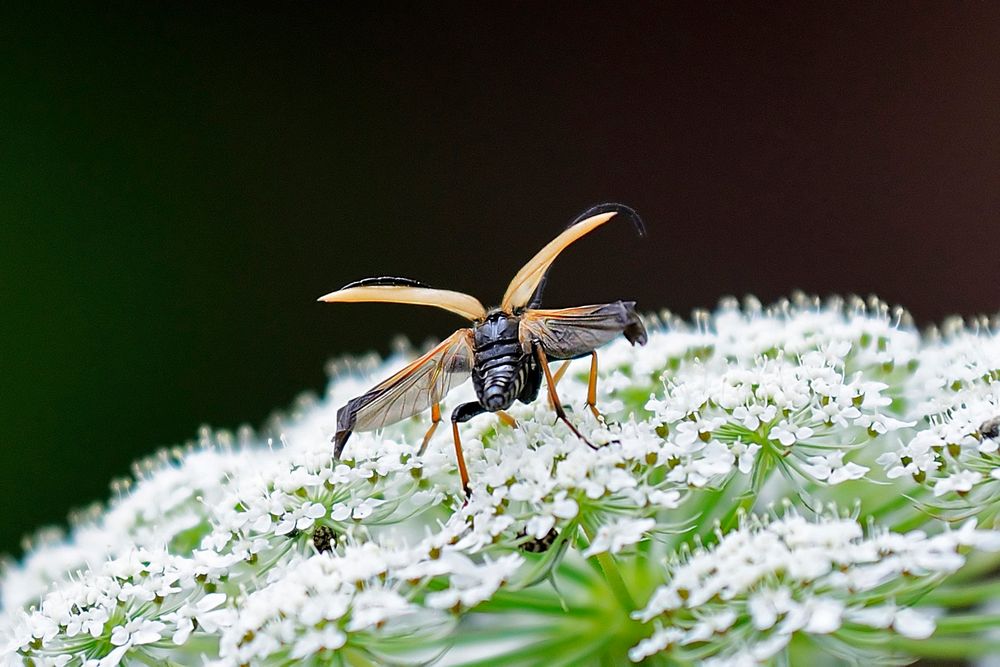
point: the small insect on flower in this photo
(990, 428)
(538, 545)
(324, 539)
(506, 351)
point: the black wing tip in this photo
(635, 330)
(636, 334)
(609, 207)
(339, 442)
(386, 281)
(346, 418)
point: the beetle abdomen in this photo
(500, 367)
(499, 385)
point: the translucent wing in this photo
(410, 391)
(566, 333)
(402, 290)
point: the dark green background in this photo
(178, 185)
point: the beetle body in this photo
(505, 352)
(502, 371)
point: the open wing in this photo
(410, 391)
(525, 289)
(522, 287)
(567, 333)
(402, 290)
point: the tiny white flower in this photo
(788, 433)
(185, 617)
(745, 455)
(616, 536)
(832, 468)
(658, 641)
(751, 416)
(959, 482)
(913, 624)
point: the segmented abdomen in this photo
(499, 374)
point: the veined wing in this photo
(410, 391)
(567, 333)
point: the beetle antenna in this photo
(608, 207)
(385, 281)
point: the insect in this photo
(990, 428)
(506, 351)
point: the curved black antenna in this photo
(620, 209)
(386, 281)
(597, 209)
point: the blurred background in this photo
(178, 185)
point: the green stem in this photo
(493, 635)
(534, 650)
(960, 596)
(941, 647)
(911, 523)
(968, 623)
(896, 502)
(707, 506)
(611, 574)
(517, 604)
(977, 565)
(732, 517)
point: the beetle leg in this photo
(560, 372)
(463, 413)
(461, 460)
(506, 418)
(592, 388)
(553, 396)
(435, 420)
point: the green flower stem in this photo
(960, 596)
(898, 501)
(351, 657)
(944, 647)
(977, 566)
(732, 517)
(535, 651)
(912, 522)
(611, 574)
(931, 647)
(466, 636)
(968, 623)
(704, 511)
(569, 657)
(503, 602)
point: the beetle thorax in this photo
(501, 365)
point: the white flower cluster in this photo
(766, 581)
(956, 400)
(241, 550)
(129, 603)
(809, 392)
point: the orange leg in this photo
(506, 418)
(592, 388)
(461, 460)
(435, 420)
(554, 397)
(559, 376)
